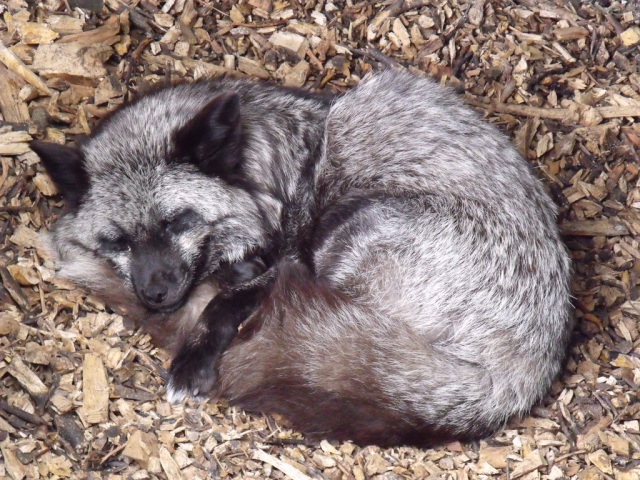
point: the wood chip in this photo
(28, 380)
(23, 275)
(600, 459)
(95, 390)
(532, 462)
(14, 64)
(291, 41)
(252, 68)
(140, 447)
(285, 468)
(8, 325)
(13, 288)
(169, 465)
(14, 143)
(14, 467)
(476, 12)
(593, 228)
(570, 33)
(44, 183)
(107, 34)
(494, 456)
(12, 107)
(631, 36)
(64, 24)
(33, 33)
(73, 62)
(24, 236)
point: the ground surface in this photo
(81, 395)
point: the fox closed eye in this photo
(182, 222)
(114, 245)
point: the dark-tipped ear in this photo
(211, 139)
(65, 166)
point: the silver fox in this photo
(392, 260)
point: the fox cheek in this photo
(121, 265)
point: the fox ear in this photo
(65, 166)
(211, 139)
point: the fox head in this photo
(152, 193)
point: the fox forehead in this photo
(138, 199)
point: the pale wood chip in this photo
(95, 389)
(106, 34)
(531, 462)
(285, 468)
(73, 62)
(13, 63)
(14, 467)
(592, 228)
(169, 465)
(28, 380)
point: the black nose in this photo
(156, 280)
(155, 293)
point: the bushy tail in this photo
(337, 370)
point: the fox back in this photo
(438, 304)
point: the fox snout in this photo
(155, 289)
(160, 282)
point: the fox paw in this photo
(192, 374)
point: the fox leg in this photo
(192, 371)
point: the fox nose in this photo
(158, 279)
(156, 293)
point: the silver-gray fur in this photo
(434, 297)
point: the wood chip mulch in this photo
(81, 393)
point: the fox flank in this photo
(394, 263)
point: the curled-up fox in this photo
(394, 265)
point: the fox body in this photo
(395, 262)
